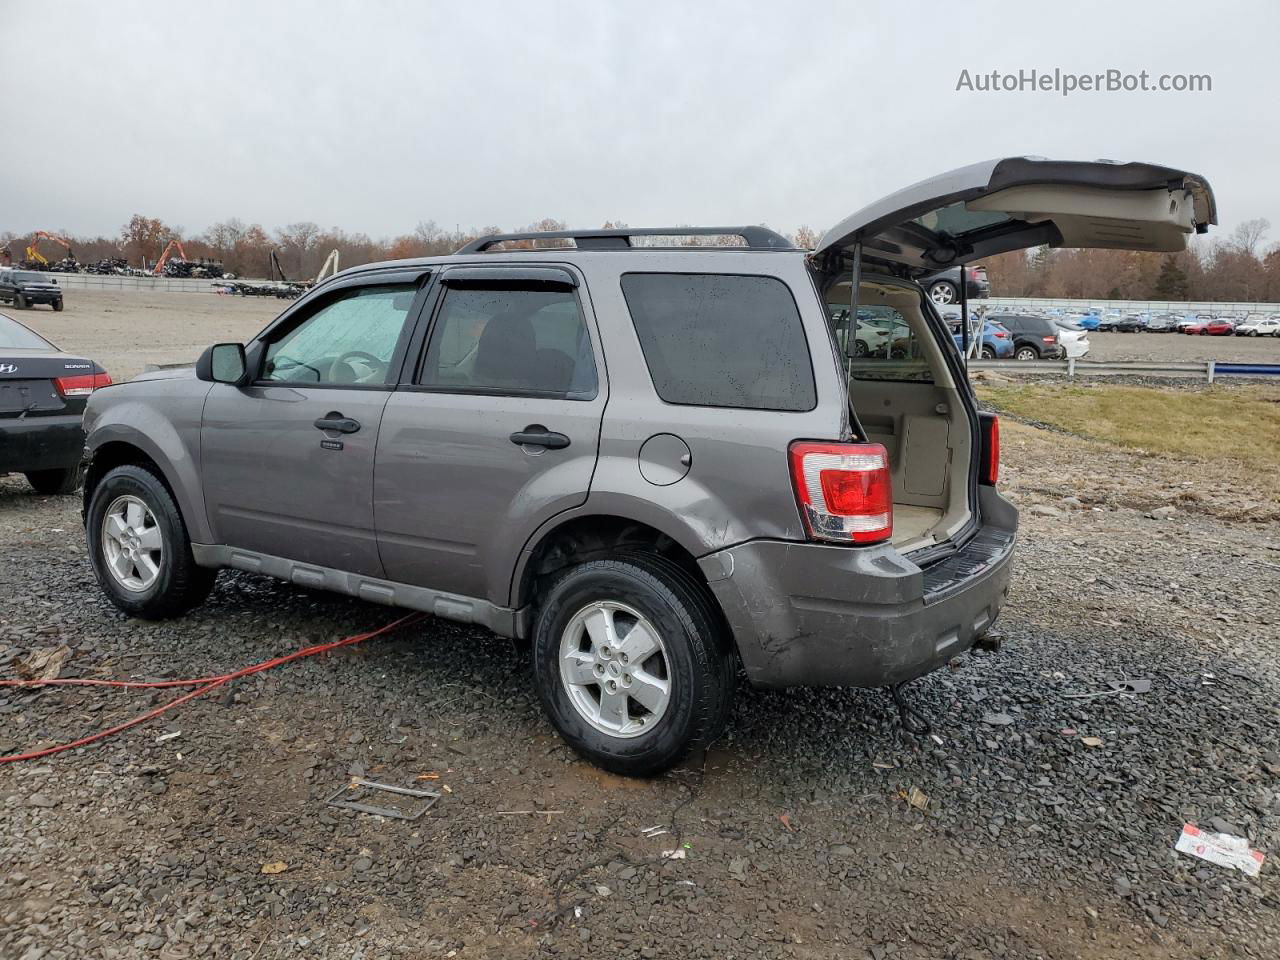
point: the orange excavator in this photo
(174, 244)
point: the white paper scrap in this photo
(1220, 848)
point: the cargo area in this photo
(906, 398)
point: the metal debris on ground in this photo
(359, 783)
(916, 798)
(1114, 687)
(1221, 848)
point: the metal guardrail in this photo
(1207, 370)
(1035, 304)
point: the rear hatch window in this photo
(715, 340)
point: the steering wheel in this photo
(375, 365)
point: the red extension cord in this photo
(203, 685)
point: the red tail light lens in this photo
(81, 386)
(1049, 339)
(844, 490)
(989, 462)
(980, 273)
(1001, 335)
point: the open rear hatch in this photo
(1018, 202)
(911, 396)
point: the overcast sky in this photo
(374, 116)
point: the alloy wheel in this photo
(615, 670)
(131, 543)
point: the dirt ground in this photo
(793, 835)
(125, 331)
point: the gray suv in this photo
(662, 466)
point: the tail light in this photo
(1001, 335)
(980, 274)
(844, 490)
(1053, 339)
(989, 456)
(81, 386)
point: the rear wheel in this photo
(139, 547)
(1204, 333)
(632, 663)
(55, 482)
(19, 302)
(944, 291)
(1026, 353)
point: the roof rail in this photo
(757, 238)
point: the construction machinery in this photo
(35, 260)
(174, 244)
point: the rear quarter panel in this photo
(738, 486)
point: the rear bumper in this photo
(40, 443)
(806, 614)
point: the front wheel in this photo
(19, 302)
(632, 663)
(57, 306)
(139, 548)
(1026, 353)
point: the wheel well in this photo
(118, 453)
(595, 538)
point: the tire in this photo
(1253, 333)
(56, 482)
(1204, 333)
(177, 584)
(860, 348)
(693, 659)
(944, 292)
(19, 302)
(988, 353)
(57, 306)
(1026, 353)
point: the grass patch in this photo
(1210, 423)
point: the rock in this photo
(361, 864)
(1074, 503)
(1161, 513)
(997, 719)
(1044, 510)
(42, 800)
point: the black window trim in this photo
(475, 276)
(319, 297)
(714, 273)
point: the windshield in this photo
(26, 276)
(14, 336)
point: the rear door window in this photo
(716, 340)
(511, 342)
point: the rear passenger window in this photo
(521, 342)
(712, 340)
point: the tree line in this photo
(1240, 267)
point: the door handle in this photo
(338, 423)
(536, 435)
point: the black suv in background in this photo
(26, 288)
(944, 287)
(1034, 338)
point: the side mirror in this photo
(222, 363)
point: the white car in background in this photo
(1259, 326)
(1073, 338)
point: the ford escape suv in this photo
(655, 463)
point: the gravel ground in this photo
(796, 837)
